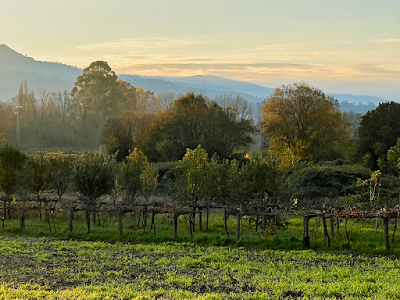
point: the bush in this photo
(311, 181)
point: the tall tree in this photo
(378, 131)
(305, 121)
(96, 96)
(191, 121)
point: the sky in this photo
(350, 46)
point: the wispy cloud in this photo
(143, 43)
(388, 40)
(277, 46)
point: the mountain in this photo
(210, 86)
(15, 67)
(54, 77)
(363, 99)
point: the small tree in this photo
(193, 164)
(37, 178)
(12, 162)
(93, 178)
(135, 175)
(129, 174)
(60, 169)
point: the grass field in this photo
(363, 238)
(37, 264)
(43, 268)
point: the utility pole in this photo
(18, 133)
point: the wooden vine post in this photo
(238, 218)
(306, 235)
(176, 215)
(71, 216)
(386, 232)
(120, 218)
(326, 230)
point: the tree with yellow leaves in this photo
(303, 123)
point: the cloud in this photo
(388, 40)
(143, 43)
(277, 46)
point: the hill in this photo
(15, 67)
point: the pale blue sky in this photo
(341, 46)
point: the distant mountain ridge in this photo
(54, 77)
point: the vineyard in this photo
(244, 199)
(88, 227)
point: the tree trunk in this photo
(263, 222)
(40, 210)
(191, 224)
(175, 227)
(46, 211)
(94, 216)
(226, 223)
(395, 227)
(48, 220)
(194, 220)
(200, 220)
(386, 232)
(88, 220)
(71, 217)
(376, 224)
(144, 220)
(153, 223)
(238, 218)
(207, 218)
(138, 222)
(120, 217)
(22, 222)
(306, 237)
(326, 231)
(347, 233)
(332, 226)
(257, 223)
(5, 211)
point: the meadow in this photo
(142, 265)
(48, 268)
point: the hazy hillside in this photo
(159, 84)
(364, 99)
(15, 67)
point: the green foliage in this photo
(38, 177)
(135, 175)
(12, 162)
(96, 97)
(313, 182)
(379, 130)
(60, 170)
(265, 175)
(192, 121)
(190, 176)
(215, 181)
(124, 132)
(392, 164)
(94, 175)
(299, 119)
(97, 90)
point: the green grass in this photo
(33, 268)
(363, 238)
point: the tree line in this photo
(104, 110)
